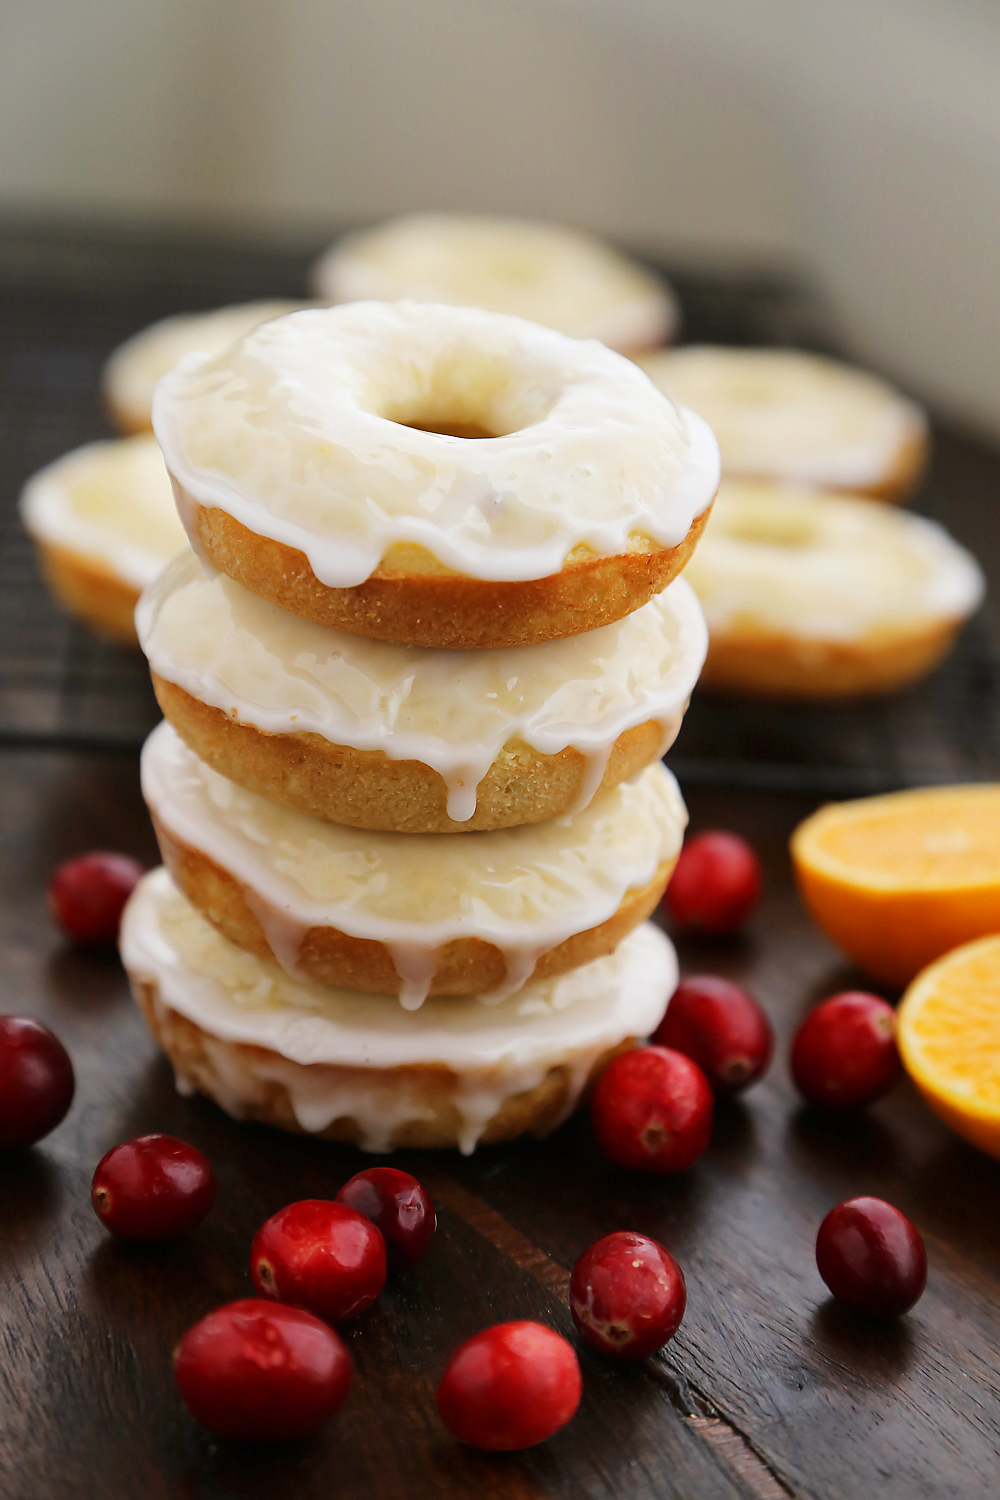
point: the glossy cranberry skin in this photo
(627, 1295)
(87, 895)
(322, 1256)
(261, 1371)
(652, 1110)
(844, 1053)
(36, 1081)
(721, 1028)
(871, 1257)
(152, 1188)
(511, 1386)
(716, 883)
(399, 1208)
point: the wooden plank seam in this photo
(732, 1445)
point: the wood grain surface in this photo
(767, 1391)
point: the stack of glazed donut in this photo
(418, 673)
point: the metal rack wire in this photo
(68, 297)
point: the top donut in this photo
(434, 475)
(548, 273)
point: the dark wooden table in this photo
(767, 1391)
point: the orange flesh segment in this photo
(950, 1027)
(928, 839)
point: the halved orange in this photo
(948, 1033)
(898, 880)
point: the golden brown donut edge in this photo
(427, 605)
(195, 1055)
(466, 966)
(367, 789)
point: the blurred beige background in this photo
(858, 139)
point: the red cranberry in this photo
(36, 1081)
(652, 1110)
(256, 1370)
(87, 895)
(721, 1028)
(152, 1188)
(716, 883)
(871, 1257)
(627, 1295)
(844, 1053)
(511, 1386)
(322, 1256)
(398, 1207)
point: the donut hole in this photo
(466, 393)
(452, 427)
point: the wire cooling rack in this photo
(68, 296)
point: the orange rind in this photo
(948, 1033)
(896, 881)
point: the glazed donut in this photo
(412, 914)
(131, 373)
(823, 596)
(786, 415)
(548, 274)
(434, 476)
(355, 1067)
(408, 739)
(104, 523)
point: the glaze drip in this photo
(313, 431)
(524, 890)
(454, 711)
(337, 1052)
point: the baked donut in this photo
(786, 415)
(355, 1067)
(409, 739)
(104, 523)
(131, 373)
(824, 596)
(552, 275)
(412, 914)
(434, 476)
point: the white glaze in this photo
(523, 889)
(786, 414)
(300, 432)
(325, 1044)
(452, 710)
(131, 374)
(112, 503)
(547, 273)
(826, 567)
